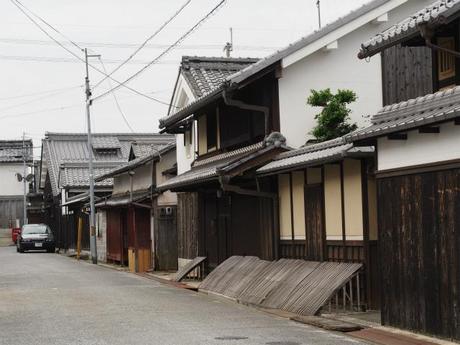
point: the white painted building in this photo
(324, 59)
(11, 188)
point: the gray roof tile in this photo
(437, 12)
(11, 151)
(59, 149)
(308, 155)
(204, 74)
(209, 168)
(414, 113)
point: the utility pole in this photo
(229, 45)
(92, 216)
(24, 181)
(318, 4)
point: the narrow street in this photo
(52, 299)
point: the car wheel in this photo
(20, 249)
(17, 248)
(51, 250)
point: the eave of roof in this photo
(314, 155)
(212, 169)
(427, 110)
(433, 15)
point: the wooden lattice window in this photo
(446, 61)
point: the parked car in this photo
(35, 237)
(14, 234)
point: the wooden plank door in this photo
(314, 223)
(165, 239)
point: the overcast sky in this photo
(32, 66)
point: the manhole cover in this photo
(230, 338)
(282, 343)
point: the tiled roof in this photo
(204, 74)
(315, 154)
(105, 142)
(78, 176)
(414, 113)
(436, 13)
(210, 169)
(11, 151)
(153, 153)
(261, 64)
(59, 149)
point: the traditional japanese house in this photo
(219, 105)
(327, 207)
(13, 154)
(418, 176)
(64, 176)
(137, 224)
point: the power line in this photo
(32, 101)
(116, 100)
(134, 45)
(78, 57)
(146, 41)
(219, 5)
(40, 93)
(70, 106)
(70, 60)
(50, 26)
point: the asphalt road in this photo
(52, 299)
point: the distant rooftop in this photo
(12, 151)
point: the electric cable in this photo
(116, 99)
(172, 46)
(145, 42)
(80, 58)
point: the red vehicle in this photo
(14, 234)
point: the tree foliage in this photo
(334, 120)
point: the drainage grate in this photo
(231, 338)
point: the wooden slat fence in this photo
(297, 286)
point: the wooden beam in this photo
(397, 136)
(429, 129)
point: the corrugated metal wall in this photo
(11, 208)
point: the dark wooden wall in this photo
(419, 234)
(187, 225)
(165, 233)
(406, 73)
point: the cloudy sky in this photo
(42, 83)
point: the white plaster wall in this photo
(9, 184)
(336, 69)
(182, 96)
(142, 179)
(420, 148)
(167, 161)
(101, 239)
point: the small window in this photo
(446, 61)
